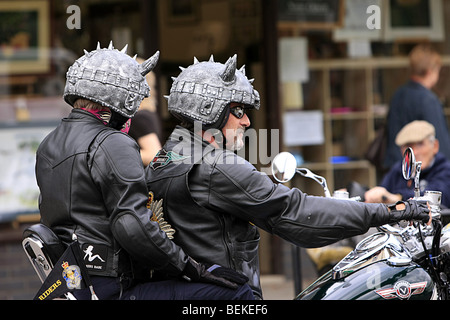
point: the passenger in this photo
(92, 185)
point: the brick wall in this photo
(18, 280)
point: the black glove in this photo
(414, 210)
(228, 274)
(214, 274)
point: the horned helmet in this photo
(111, 78)
(203, 91)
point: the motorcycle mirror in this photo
(284, 166)
(409, 164)
(411, 169)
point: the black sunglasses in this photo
(238, 111)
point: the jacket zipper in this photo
(225, 236)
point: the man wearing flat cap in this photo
(435, 175)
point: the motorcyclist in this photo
(215, 200)
(92, 189)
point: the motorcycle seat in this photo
(43, 248)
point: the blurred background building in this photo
(325, 70)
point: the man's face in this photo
(424, 150)
(234, 129)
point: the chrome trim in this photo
(377, 247)
(399, 261)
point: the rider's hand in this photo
(410, 210)
(381, 195)
(214, 274)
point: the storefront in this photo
(325, 71)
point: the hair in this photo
(424, 58)
(88, 105)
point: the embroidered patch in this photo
(72, 275)
(163, 158)
(158, 215)
(95, 256)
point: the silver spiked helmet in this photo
(203, 91)
(111, 78)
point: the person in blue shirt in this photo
(416, 101)
(435, 174)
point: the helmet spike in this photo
(242, 69)
(110, 47)
(149, 64)
(229, 73)
(195, 60)
(85, 52)
(166, 97)
(98, 45)
(251, 80)
(124, 50)
(134, 57)
(182, 68)
(211, 59)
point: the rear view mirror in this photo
(411, 169)
(409, 164)
(284, 166)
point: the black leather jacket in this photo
(215, 201)
(92, 185)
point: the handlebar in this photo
(319, 179)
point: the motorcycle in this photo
(401, 261)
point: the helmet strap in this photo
(223, 119)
